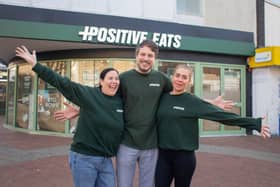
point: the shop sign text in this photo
(128, 37)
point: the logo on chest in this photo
(178, 108)
(154, 84)
(119, 110)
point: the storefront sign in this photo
(263, 56)
(113, 36)
(266, 56)
(128, 37)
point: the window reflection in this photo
(3, 96)
(123, 65)
(25, 95)
(82, 71)
(50, 100)
(211, 83)
(87, 72)
(232, 91)
(232, 88)
(211, 89)
(3, 85)
(99, 65)
(11, 93)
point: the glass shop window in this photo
(50, 100)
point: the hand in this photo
(69, 113)
(24, 53)
(224, 104)
(265, 131)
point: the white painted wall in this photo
(272, 24)
(266, 95)
(229, 14)
(266, 80)
(127, 8)
(236, 14)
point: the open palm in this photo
(24, 53)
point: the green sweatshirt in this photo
(178, 120)
(141, 94)
(100, 125)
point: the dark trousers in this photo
(178, 165)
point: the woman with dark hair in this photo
(100, 125)
(177, 116)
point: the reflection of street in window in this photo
(42, 107)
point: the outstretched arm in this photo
(228, 104)
(73, 91)
(69, 113)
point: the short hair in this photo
(150, 44)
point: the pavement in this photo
(30, 160)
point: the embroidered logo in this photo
(119, 110)
(178, 108)
(154, 85)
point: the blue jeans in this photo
(126, 163)
(91, 171)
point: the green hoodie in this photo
(141, 94)
(100, 125)
(178, 115)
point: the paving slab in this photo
(38, 160)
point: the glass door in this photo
(11, 96)
(211, 88)
(25, 96)
(226, 81)
(232, 91)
